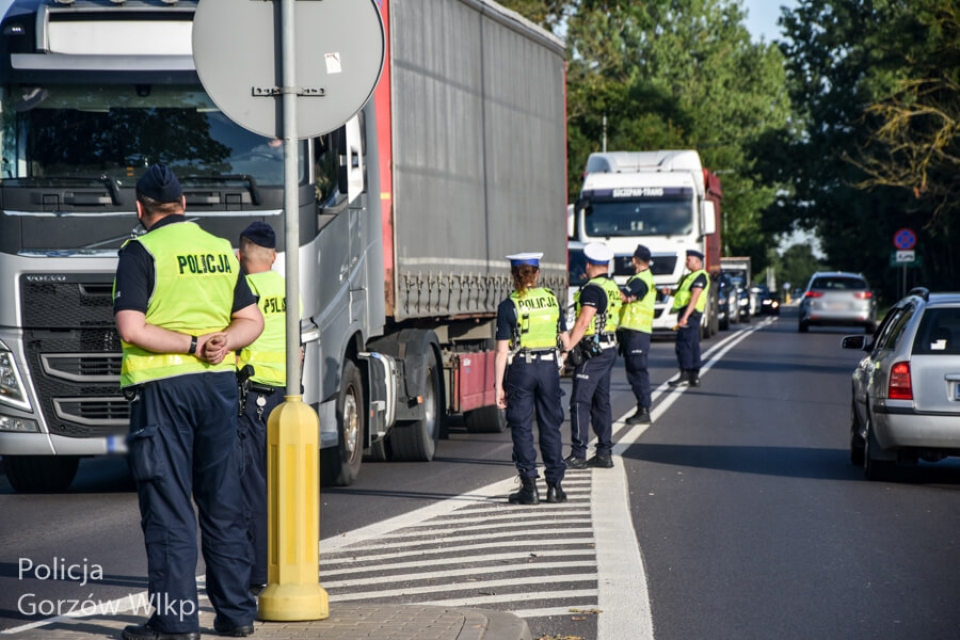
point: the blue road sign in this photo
(905, 239)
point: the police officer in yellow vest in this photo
(635, 331)
(267, 355)
(181, 306)
(689, 301)
(531, 337)
(594, 333)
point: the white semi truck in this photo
(665, 200)
(405, 215)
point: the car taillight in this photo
(813, 294)
(900, 387)
(863, 295)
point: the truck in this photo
(663, 199)
(739, 269)
(406, 214)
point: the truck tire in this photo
(490, 419)
(340, 465)
(416, 440)
(41, 474)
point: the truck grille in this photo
(73, 353)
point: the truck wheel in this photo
(341, 465)
(490, 419)
(416, 440)
(41, 474)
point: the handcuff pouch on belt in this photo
(588, 347)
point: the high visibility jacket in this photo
(682, 297)
(607, 321)
(638, 315)
(195, 277)
(268, 353)
(538, 320)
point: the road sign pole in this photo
(293, 591)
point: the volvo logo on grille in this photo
(52, 277)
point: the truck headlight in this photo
(12, 391)
(21, 425)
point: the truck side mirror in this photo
(709, 218)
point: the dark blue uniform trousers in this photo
(635, 346)
(590, 402)
(534, 388)
(688, 342)
(184, 441)
(253, 442)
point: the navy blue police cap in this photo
(642, 253)
(260, 233)
(160, 184)
(694, 253)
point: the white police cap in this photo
(598, 253)
(525, 258)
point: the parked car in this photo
(906, 390)
(838, 298)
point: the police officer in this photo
(531, 340)
(689, 302)
(180, 307)
(636, 328)
(598, 305)
(267, 355)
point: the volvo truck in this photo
(405, 213)
(665, 200)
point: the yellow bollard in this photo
(293, 591)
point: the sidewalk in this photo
(346, 622)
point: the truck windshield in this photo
(643, 217)
(117, 131)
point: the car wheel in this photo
(857, 444)
(874, 468)
(803, 327)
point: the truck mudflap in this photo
(383, 375)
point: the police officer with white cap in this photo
(689, 302)
(594, 333)
(531, 331)
(636, 330)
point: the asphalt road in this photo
(735, 515)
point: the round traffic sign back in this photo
(339, 56)
(904, 239)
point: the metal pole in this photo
(291, 192)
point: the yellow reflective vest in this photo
(195, 277)
(268, 353)
(538, 320)
(638, 315)
(683, 295)
(607, 321)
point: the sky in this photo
(762, 17)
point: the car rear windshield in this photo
(939, 332)
(839, 283)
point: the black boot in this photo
(642, 416)
(694, 377)
(555, 493)
(682, 380)
(528, 494)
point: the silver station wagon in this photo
(838, 298)
(906, 390)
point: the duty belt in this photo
(263, 389)
(547, 355)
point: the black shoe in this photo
(601, 461)
(555, 493)
(642, 416)
(233, 631)
(694, 377)
(680, 381)
(528, 494)
(573, 462)
(146, 632)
